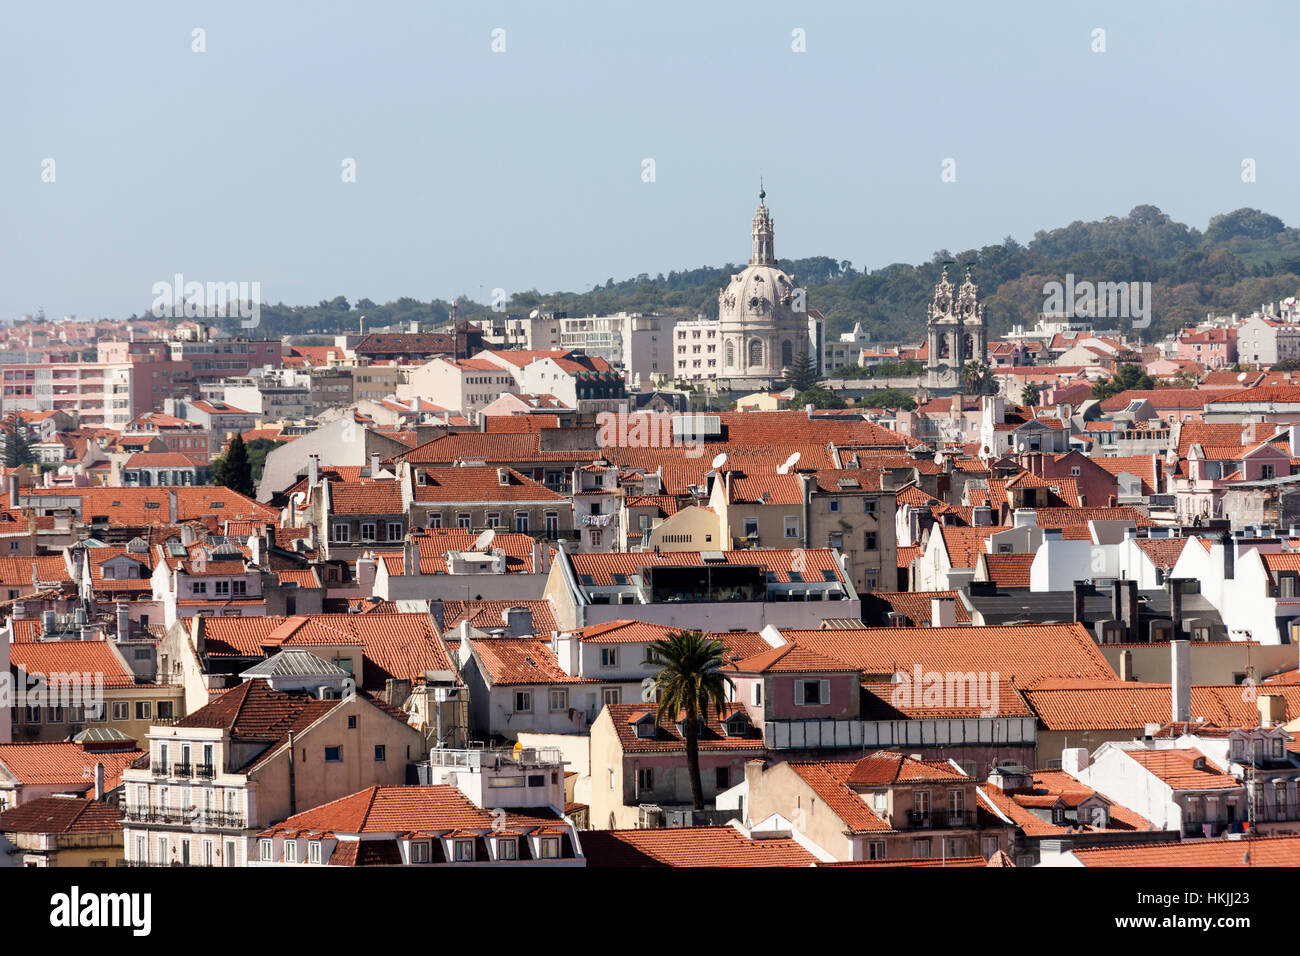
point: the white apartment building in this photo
(695, 349)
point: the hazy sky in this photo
(477, 170)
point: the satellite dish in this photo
(483, 541)
(298, 498)
(1020, 447)
(938, 458)
(784, 469)
(1241, 376)
(719, 460)
(534, 314)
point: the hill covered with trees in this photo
(1242, 259)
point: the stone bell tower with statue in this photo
(956, 333)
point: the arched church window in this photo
(943, 345)
(968, 347)
(731, 354)
(787, 353)
(755, 352)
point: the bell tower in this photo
(762, 249)
(974, 333)
(942, 339)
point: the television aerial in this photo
(484, 541)
(784, 468)
(719, 460)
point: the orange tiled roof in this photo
(1178, 769)
(521, 660)
(916, 606)
(1258, 851)
(1025, 653)
(436, 542)
(479, 484)
(434, 808)
(1066, 703)
(622, 631)
(485, 615)
(401, 646)
(667, 739)
(689, 846)
(66, 765)
(791, 658)
(73, 657)
(61, 815)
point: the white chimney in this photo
(313, 470)
(374, 466)
(1180, 681)
(1074, 760)
(173, 510)
(13, 489)
(943, 611)
(1293, 438)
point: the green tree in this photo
(802, 373)
(1127, 376)
(975, 377)
(234, 471)
(1030, 394)
(888, 398)
(17, 450)
(818, 397)
(258, 449)
(689, 681)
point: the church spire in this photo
(762, 248)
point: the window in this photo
(1074, 471)
(264, 849)
(464, 851)
(462, 519)
(751, 527)
(200, 587)
(550, 848)
(552, 523)
(869, 506)
(559, 700)
(143, 709)
(223, 588)
(988, 846)
(494, 519)
(609, 657)
(722, 777)
(756, 694)
(313, 851)
(342, 531)
(333, 754)
(834, 506)
(645, 780)
(521, 522)
(420, 852)
(507, 849)
(921, 848)
(291, 851)
(381, 753)
(435, 520)
(523, 702)
(612, 695)
(394, 531)
(352, 721)
(367, 531)
(812, 693)
(875, 849)
(791, 526)
(869, 541)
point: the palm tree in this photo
(690, 680)
(975, 377)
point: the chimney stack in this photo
(313, 470)
(374, 466)
(99, 780)
(123, 621)
(1180, 681)
(173, 509)
(943, 611)
(13, 492)
(1126, 665)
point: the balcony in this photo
(159, 770)
(939, 819)
(204, 771)
(182, 770)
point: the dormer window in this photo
(420, 851)
(464, 851)
(737, 726)
(507, 849)
(645, 727)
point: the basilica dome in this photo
(762, 315)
